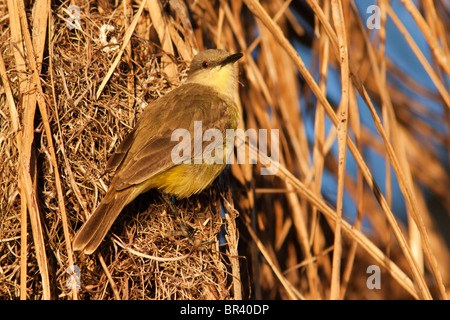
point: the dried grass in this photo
(282, 238)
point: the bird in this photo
(144, 160)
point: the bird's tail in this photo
(92, 233)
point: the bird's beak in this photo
(231, 58)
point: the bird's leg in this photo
(171, 203)
(186, 231)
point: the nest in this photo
(67, 104)
(162, 252)
(166, 251)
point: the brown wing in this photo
(117, 158)
(147, 150)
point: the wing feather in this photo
(147, 151)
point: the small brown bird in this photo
(144, 159)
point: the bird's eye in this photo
(205, 64)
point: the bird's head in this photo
(214, 68)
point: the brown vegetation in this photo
(68, 97)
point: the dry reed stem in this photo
(232, 240)
(108, 275)
(160, 25)
(356, 235)
(259, 11)
(414, 47)
(442, 57)
(409, 198)
(396, 141)
(279, 76)
(342, 132)
(438, 29)
(25, 156)
(292, 292)
(16, 37)
(127, 38)
(23, 207)
(405, 178)
(254, 6)
(319, 151)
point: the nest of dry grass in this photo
(66, 104)
(168, 255)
